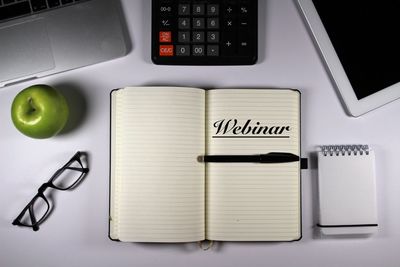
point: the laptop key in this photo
(38, 5)
(8, 1)
(16, 10)
(64, 2)
(53, 3)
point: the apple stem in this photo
(30, 100)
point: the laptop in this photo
(43, 37)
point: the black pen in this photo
(272, 157)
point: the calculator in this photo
(204, 32)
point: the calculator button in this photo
(230, 10)
(198, 50)
(183, 50)
(165, 9)
(244, 45)
(165, 37)
(183, 9)
(212, 10)
(198, 23)
(165, 23)
(212, 23)
(244, 48)
(229, 24)
(198, 37)
(198, 9)
(228, 44)
(166, 50)
(184, 23)
(184, 37)
(243, 9)
(243, 23)
(213, 37)
(213, 50)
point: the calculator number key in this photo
(184, 23)
(198, 9)
(183, 37)
(213, 37)
(184, 9)
(198, 37)
(212, 10)
(198, 50)
(212, 23)
(183, 50)
(198, 23)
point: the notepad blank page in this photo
(157, 181)
(346, 185)
(253, 201)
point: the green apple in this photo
(39, 111)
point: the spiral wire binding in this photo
(345, 150)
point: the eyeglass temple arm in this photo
(78, 169)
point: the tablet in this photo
(359, 43)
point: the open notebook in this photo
(161, 191)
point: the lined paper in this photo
(253, 201)
(157, 182)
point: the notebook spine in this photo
(344, 150)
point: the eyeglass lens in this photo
(38, 208)
(69, 176)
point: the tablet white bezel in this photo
(354, 106)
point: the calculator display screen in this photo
(365, 37)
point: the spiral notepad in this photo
(346, 183)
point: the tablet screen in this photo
(365, 35)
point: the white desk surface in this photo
(76, 232)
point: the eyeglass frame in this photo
(50, 184)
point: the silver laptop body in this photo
(60, 39)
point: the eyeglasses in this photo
(65, 178)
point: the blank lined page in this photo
(157, 183)
(253, 201)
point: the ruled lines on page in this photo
(253, 201)
(159, 181)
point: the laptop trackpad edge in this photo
(25, 50)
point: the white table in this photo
(76, 232)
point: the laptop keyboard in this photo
(10, 9)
